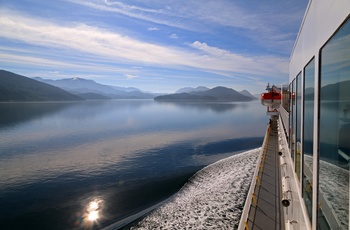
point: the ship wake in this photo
(212, 199)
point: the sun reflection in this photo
(93, 205)
(93, 215)
(93, 210)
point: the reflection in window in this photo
(308, 139)
(284, 113)
(298, 126)
(293, 119)
(290, 122)
(334, 130)
(286, 95)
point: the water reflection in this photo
(66, 167)
(90, 215)
(13, 113)
(94, 210)
(334, 162)
(205, 106)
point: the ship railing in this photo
(294, 211)
(244, 217)
(327, 210)
(285, 120)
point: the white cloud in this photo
(146, 14)
(84, 38)
(18, 59)
(188, 14)
(173, 36)
(208, 49)
(94, 43)
(153, 28)
(243, 64)
(130, 76)
(34, 61)
(260, 23)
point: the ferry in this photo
(302, 178)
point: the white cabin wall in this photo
(321, 20)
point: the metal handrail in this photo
(285, 119)
(248, 201)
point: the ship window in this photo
(334, 130)
(286, 99)
(293, 119)
(290, 108)
(308, 131)
(297, 147)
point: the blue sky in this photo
(154, 45)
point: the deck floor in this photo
(265, 211)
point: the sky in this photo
(153, 45)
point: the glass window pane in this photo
(297, 147)
(308, 139)
(298, 126)
(290, 122)
(294, 119)
(334, 130)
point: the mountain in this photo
(216, 94)
(14, 87)
(184, 97)
(126, 89)
(337, 91)
(225, 94)
(257, 95)
(191, 89)
(246, 93)
(81, 86)
(309, 93)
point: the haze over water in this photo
(59, 162)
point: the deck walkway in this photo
(266, 209)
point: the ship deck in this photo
(266, 210)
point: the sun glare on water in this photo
(93, 215)
(93, 205)
(93, 210)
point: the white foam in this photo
(212, 199)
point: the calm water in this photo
(62, 164)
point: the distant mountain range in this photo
(14, 87)
(203, 88)
(331, 91)
(215, 94)
(191, 89)
(336, 91)
(90, 89)
(248, 94)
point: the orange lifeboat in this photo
(271, 99)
